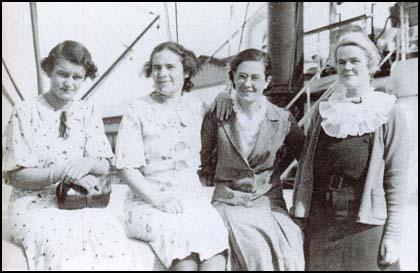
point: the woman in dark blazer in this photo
(240, 156)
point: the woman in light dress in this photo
(157, 149)
(53, 138)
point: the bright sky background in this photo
(107, 28)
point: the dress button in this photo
(180, 165)
(180, 146)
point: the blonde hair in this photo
(362, 41)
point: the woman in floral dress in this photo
(158, 151)
(53, 138)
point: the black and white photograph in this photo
(210, 136)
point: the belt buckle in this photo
(336, 183)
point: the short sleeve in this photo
(97, 144)
(129, 150)
(17, 150)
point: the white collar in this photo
(342, 118)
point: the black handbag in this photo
(71, 196)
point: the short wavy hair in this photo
(189, 61)
(251, 54)
(71, 51)
(361, 40)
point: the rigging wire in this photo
(176, 21)
(243, 27)
(233, 35)
(7, 96)
(168, 26)
(12, 80)
(105, 29)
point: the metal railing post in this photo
(35, 36)
(308, 107)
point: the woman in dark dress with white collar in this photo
(352, 174)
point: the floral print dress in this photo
(54, 239)
(164, 142)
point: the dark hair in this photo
(73, 52)
(251, 54)
(188, 59)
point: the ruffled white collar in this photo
(341, 117)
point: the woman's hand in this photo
(89, 183)
(223, 103)
(168, 204)
(78, 168)
(57, 173)
(389, 252)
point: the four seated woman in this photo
(53, 138)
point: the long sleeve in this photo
(208, 153)
(293, 145)
(302, 189)
(295, 138)
(398, 146)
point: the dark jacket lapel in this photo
(269, 128)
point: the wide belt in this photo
(342, 196)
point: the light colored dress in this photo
(164, 142)
(54, 239)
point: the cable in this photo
(168, 28)
(243, 27)
(233, 35)
(119, 58)
(12, 80)
(7, 96)
(384, 29)
(104, 28)
(176, 21)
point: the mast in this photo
(285, 45)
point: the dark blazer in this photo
(241, 180)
